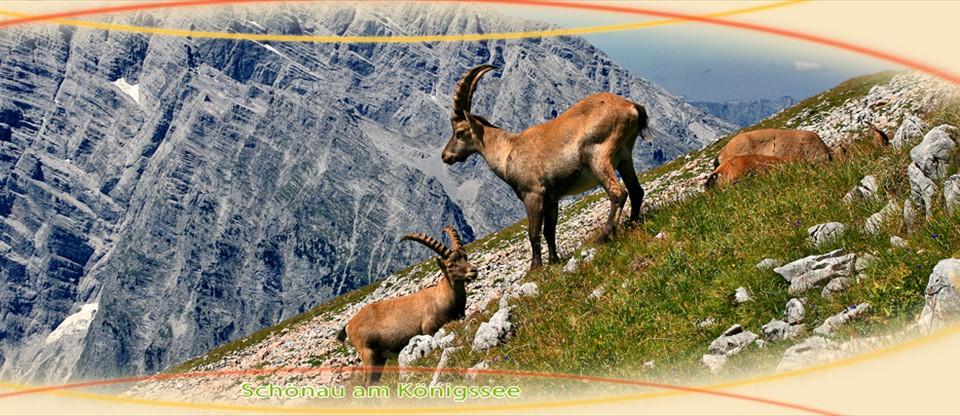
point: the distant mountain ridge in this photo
(162, 195)
(745, 112)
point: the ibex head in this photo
(452, 261)
(467, 136)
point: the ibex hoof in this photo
(554, 260)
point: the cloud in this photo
(806, 66)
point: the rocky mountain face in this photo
(745, 113)
(161, 195)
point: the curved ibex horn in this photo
(463, 92)
(454, 237)
(430, 242)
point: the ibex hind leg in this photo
(618, 197)
(625, 169)
(534, 205)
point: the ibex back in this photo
(584, 146)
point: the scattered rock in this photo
(835, 286)
(597, 293)
(875, 222)
(706, 323)
(714, 362)
(898, 242)
(650, 364)
(934, 153)
(909, 132)
(777, 330)
(835, 321)
(524, 290)
(732, 341)
(660, 236)
(766, 264)
(588, 254)
(760, 343)
(741, 295)
(809, 271)
(793, 314)
(441, 364)
(951, 193)
(942, 296)
(865, 190)
(922, 189)
(821, 234)
(418, 347)
(571, 266)
(494, 331)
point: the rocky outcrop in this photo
(874, 223)
(832, 323)
(867, 189)
(909, 132)
(942, 296)
(734, 340)
(951, 193)
(930, 161)
(809, 271)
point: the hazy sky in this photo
(705, 62)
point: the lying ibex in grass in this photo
(783, 144)
(737, 167)
(381, 329)
(588, 144)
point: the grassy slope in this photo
(656, 290)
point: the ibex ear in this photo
(476, 128)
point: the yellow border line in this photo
(466, 37)
(943, 333)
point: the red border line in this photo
(320, 370)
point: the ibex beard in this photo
(586, 145)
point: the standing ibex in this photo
(588, 144)
(383, 328)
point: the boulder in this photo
(865, 190)
(942, 296)
(951, 193)
(732, 341)
(898, 242)
(571, 265)
(778, 330)
(835, 286)
(832, 323)
(874, 224)
(741, 295)
(793, 314)
(909, 132)
(494, 331)
(821, 234)
(418, 347)
(922, 189)
(768, 263)
(934, 153)
(809, 271)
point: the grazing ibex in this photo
(587, 144)
(381, 329)
(737, 167)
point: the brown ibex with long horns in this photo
(383, 328)
(587, 144)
